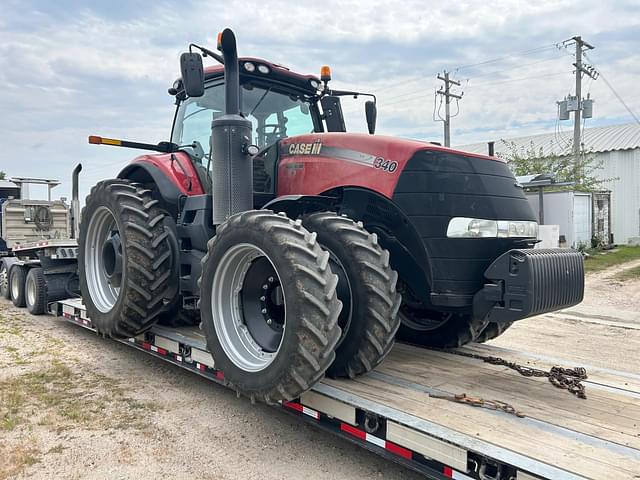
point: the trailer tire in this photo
(17, 276)
(264, 271)
(455, 329)
(492, 330)
(124, 258)
(36, 291)
(5, 291)
(367, 289)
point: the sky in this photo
(73, 68)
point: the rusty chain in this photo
(479, 402)
(569, 379)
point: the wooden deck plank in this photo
(595, 459)
(603, 414)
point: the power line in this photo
(613, 90)
(511, 55)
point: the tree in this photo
(2, 175)
(566, 168)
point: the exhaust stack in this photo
(230, 137)
(75, 202)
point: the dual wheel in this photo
(283, 302)
(272, 289)
(25, 286)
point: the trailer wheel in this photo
(36, 291)
(5, 291)
(367, 289)
(268, 305)
(492, 330)
(17, 276)
(438, 329)
(124, 258)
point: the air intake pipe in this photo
(230, 138)
(75, 201)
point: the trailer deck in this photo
(390, 411)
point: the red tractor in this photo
(302, 249)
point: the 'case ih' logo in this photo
(305, 148)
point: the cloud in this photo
(72, 68)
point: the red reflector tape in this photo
(220, 375)
(398, 450)
(201, 367)
(367, 437)
(448, 472)
(353, 431)
(146, 345)
(301, 408)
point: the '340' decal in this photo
(387, 165)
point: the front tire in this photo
(268, 305)
(438, 329)
(366, 288)
(124, 258)
(493, 330)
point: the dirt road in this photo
(75, 406)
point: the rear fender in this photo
(163, 188)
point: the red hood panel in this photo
(315, 163)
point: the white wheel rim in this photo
(228, 317)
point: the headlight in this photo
(463, 227)
(249, 67)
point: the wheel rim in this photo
(31, 291)
(103, 260)
(4, 280)
(249, 307)
(15, 286)
(424, 324)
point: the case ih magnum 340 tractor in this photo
(302, 249)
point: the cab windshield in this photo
(273, 113)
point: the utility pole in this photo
(580, 45)
(446, 93)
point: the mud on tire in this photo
(367, 289)
(287, 263)
(123, 225)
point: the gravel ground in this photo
(75, 406)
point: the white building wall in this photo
(624, 166)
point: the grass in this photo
(600, 260)
(15, 459)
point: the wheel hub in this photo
(112, 259)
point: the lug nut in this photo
(271, 279)
(264, 310)
(265, 286)
(269, 321)
(263, 298)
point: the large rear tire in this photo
(268, 305)
(492, 330)
(36, 291)
(124, 258)
(367, 289)
(17, 276)
(438, 329)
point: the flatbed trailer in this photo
(395, 410)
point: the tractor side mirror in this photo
(371, 112)
(192, 74)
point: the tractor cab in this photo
(278, 102)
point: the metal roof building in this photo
(617, 147)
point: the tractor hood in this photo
(316, 163)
